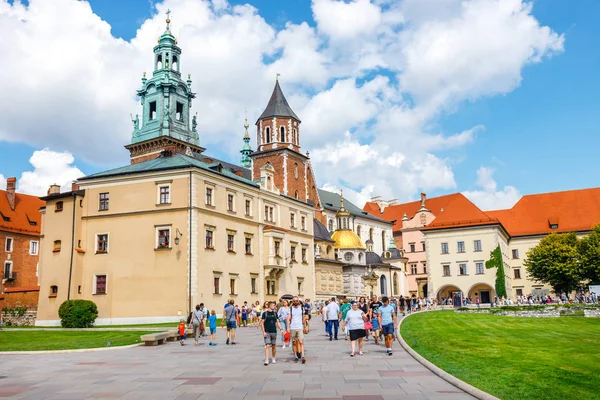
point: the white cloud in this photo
(2, 182)
(49, 167)
(341, 20)
(488, 197)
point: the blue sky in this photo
(539, 136)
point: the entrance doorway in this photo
(425, 290)
(485, 296)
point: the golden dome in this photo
(347, 239)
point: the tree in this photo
(495, 261)
(589, 251)
(555, 261)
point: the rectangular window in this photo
(413, 269)
(230, 241)
(476, 245)
(165, 195)
(217, 285)
(164, 238)
(232, 286)
(266, 213)
(304, 251)
(209, 239)
(103, 201)
(277, 248)
(517, 273)
(479, 268)
(303, 223)
(248, 207)
(446, 269)
(100, 284)
(248, 245)
(179, 111)
(57, 246)
(152, 110)
(423, 245)
(33, 248)
(270, 287)
(293, 253)
(519, 292)
(424, 268)
(8, 274)
(230, 202)
(271, 218)
(293, 220)
(515, 253)
(209, 196)
(445, 248)
(8, 246)
(412, 247)
(460, 247)
(300, 286)
(58, 206)
(252, 285)
(462, 269)
(102, 243)
(53, 291)
(269, 213)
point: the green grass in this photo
(512, 357)
(157, 325)
(62, 340)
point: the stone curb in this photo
(16, 353)
(472, 390)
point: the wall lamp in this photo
(178, 234)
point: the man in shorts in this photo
(295, 326)
(387, 322)
(269, 324)
(307, 312)
(230, 316)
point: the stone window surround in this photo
(94, 284)
(97, 236)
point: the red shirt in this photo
(181, 329)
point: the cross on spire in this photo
(168, 12)
(277, 77)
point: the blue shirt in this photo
(386, 314)
(212, 322)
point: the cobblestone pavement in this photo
(222, 372)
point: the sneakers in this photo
(227, 342)
(330, 338)
(182, 343)
(389, 352)
(273, 361)
(233, 343)
(303, 360)
(266, 362)
(295, 359)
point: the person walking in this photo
(388, 323)
(344, 308)
(296, 328)
(355, 322)
(230, 316)
(196, 321)
(373, 315)
(282, 314)
(212, 325)
(307, 311)
(269, 324)
(332, 314)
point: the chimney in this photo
(74, 186)
(54, 189)
(11, 184)
(423, 198)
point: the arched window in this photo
(358, 231)
(296, 170)
(159, 61)
(295, 136)
(382, 240)
(296, 194)
(383, 285)
(330, 225)
(267, 135)
(175, 65)
(329, 251)
(282, 134)
(371, 234)
(395, 284)
(269, 183)
(167, 60)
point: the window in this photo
(268, 134)
(444, 248)
(423, 246)
(424, 268)
(460, 247)
(462, 269)
(553, 226)
(277, 248)
(269, 213)
(230, 202)
(296, 195)
(358, 230)
(163, 238)
(300, 285)
(209, 196)
(248, 207)
(100, 284)
(412, 247)
(209, 239)
(103, 202)
(330, 225)
(252, 285)
(446, 269)
(102, 243)
(293, 253)
(296, 170)
(270, 287)
(282, 134)
(230, 241)
(293, 220)
(479, 268)
(303, 222)
(179, 111)
(304, 255)
(348, 256)
(248, 246)
(8, 273)
(476, 245)
(517, 273)
(217, 285)
(164, 195)
(519, 292)
(413, 269)
(232, 286)
(57, 246)
(371, 234)
(53, 291)
(58, 206)
(8, 246)
(152, 110)
(515, 253)
(33, 248)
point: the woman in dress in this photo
(282, 314)
(355, 318)
(364, 307)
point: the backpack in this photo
(189, 318)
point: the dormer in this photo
(267, 178)
(553, 222)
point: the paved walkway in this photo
(224, 372)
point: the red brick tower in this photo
(278, 143)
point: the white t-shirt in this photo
(332, 310)
(354, 319)
(297, 315)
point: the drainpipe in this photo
(190, 250)
(72, 246)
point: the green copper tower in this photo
(246, 150)
(166, 99)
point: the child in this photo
(212, 324)
(181, 331)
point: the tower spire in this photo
(246, 149)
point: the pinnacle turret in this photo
(246, 149)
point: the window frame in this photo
(233, 286)
(446, 268)
(59, 206)
(253, 280)
(158, 229)
(517, 271)
(303, 222)
(103, 201)
(95, 284)
(271, 285)
(209, 196)
(477, 245)
(248, 207)
(106, 243)
(231, 202)
(230, 242)
(463, 269)
(208, 237)
(293, 220)
(217, 285)
(460, 246)
(248, 245)
(477, 269)
(7, 248)
(10, 269)
(167, 194)
(414, 269)
(304, 254)
(515, 254)
(57, 246)
(37, 247)
(277, 248)
(445, 248)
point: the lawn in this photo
(61, 340)
(512, 357)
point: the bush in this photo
(78, 314)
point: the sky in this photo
(491, 98)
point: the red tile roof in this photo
(573, 210)
(25, 218)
